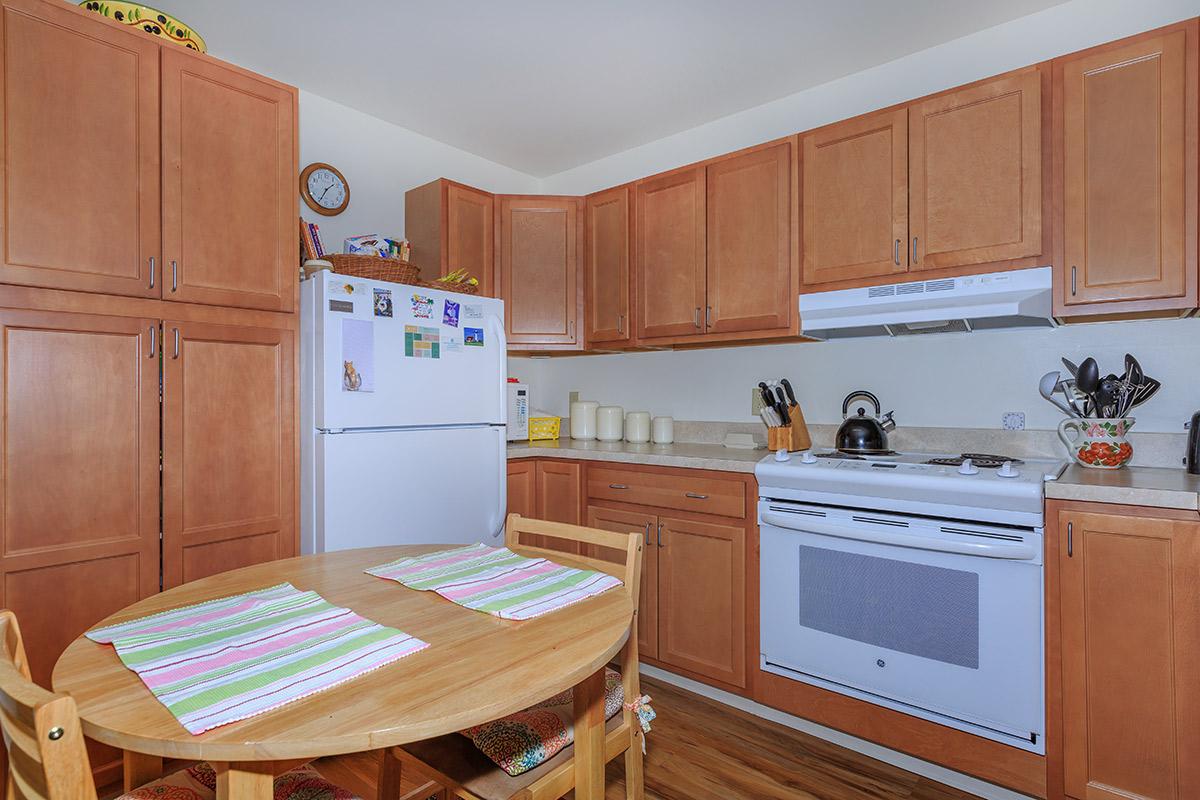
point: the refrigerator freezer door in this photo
(420, 356)
(413, 486)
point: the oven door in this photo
(938, 618)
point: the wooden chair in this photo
(47, 757)
(454, 762)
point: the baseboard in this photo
(925, 769)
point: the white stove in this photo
(909, 580)
(982, 487)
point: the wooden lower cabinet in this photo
(611, 519)
(522, 488)
(229, 454)
(1123, 615)
(702, 598)
(558, 498)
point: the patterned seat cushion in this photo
(521, 741)
(199, 782)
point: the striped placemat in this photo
(497, 580)
(225, 660)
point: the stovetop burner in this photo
(838, 454)
(981, 460)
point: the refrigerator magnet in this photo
(422, 306)
(473, 311)
(358, 355)
(421, 342)
(383, 302)
(450, 314)
(473, 337)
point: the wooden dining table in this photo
(477, 668)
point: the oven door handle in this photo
(1020, 551)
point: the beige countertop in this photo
(680, 454)
(1153, 487)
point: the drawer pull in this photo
(660, 544)
(617, 486)
(695, 496)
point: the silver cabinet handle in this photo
(620, 323)
(617, 486)
(174, 276)
(646, 537)
(176, 331)
(708, 316)
(571, 328)
(660, 544)
(153, 341)
(151, 272)
(696, 317)
(896, 252)
(695, 496)
(1073, 271)
(1070, 540)
(914, 253)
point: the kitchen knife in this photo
(767, 397)
(787, 387)
(782, 406)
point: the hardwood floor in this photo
(702, 750)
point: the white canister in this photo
(610, 423)
(583, 419)
(637, 427)
(664, 430)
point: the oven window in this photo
(926, 611)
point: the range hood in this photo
(1015, 299)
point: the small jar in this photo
(637, 427)
(583, 419)
(664, 430)
(610, 423)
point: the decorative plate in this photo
(151, 20)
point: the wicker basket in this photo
(461, 288)
(375, 268)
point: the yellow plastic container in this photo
(541, 428)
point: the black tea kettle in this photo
(1193, 445)
(861, 434)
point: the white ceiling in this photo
(545, 85)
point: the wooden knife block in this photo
(792, 437)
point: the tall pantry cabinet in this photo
(147, 313)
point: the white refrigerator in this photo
(402, 415)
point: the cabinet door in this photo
(229, 448)
(79, 506)
(229, 185)
(522, 488)
(558, 500)
(79, 204)
(670, 254)
(1129, 172)
(702, 598)
(749, 274)
(609, 519)
(856, 199)
(539, 269)
(1130, 644)
(470, 232)
(975, 167)
(608, 260)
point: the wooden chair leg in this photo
(390, 768)
(635, 780)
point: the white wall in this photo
(381, 161)
(965, 380)
(952, 380)
(1056, 31)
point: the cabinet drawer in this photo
(726, 497)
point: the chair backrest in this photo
(47, 757)
(590, 539)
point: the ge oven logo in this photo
(879, 662)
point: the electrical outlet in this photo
(756, 401)
(573, 397)
(1013, 420)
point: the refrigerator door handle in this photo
(498, 325)
(502, 479)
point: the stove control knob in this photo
(1007, 471)
(968, 468)
(782, 454)
(808, 457)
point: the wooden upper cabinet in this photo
(670, 254)
(79, 450)
(975, 174)
(749, 233)
(1126, 116)
(229, 205)
(608, 261)
(702, 596)
(541, 241)
(856, 199)
(451, 226)
(229, 448)
(79, 131)
(1130, 636)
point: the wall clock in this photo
(324, 189)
